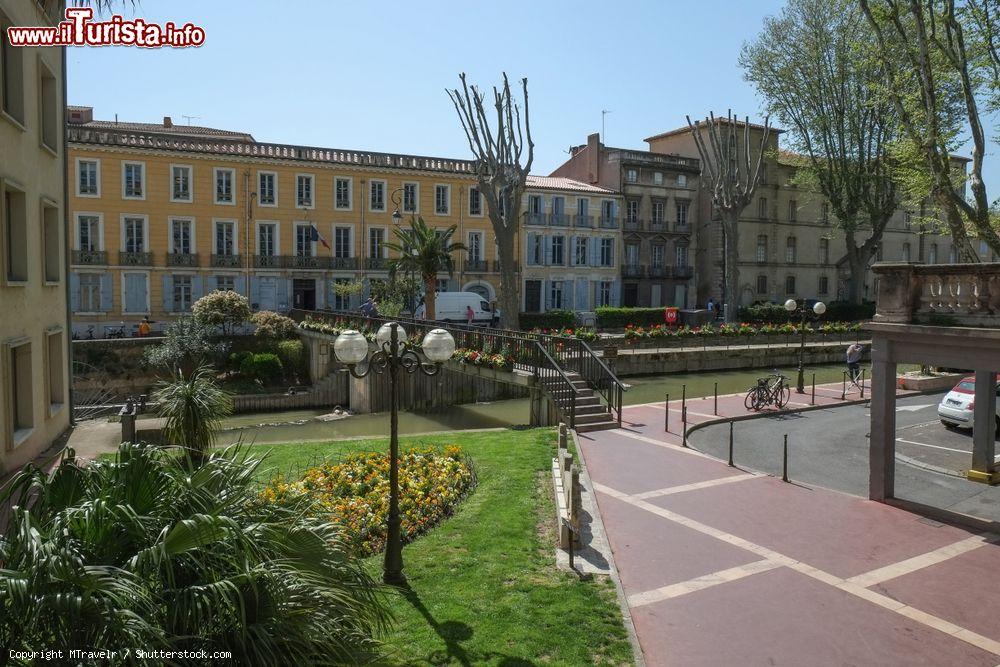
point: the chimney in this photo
(167, 122)
(594, 158)
(79, 115)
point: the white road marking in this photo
(694, 486)
(914, 408)
(924, 444)
(909, 565)
(700, 583)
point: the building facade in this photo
(34, 352)
(571, 238)
(659, 217)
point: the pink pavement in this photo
(721, 567)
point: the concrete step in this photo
(594, 418)
(596, 426)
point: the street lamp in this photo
(396, 215)
(391, 355)
(818, 309)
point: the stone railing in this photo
(943, 294)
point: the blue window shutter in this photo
(107, 293)
(596, 293)
(547, 294)
(196, 288)
(595, 252)
(616, 293)
(547, 258)
(254, 293)
(168, 293)
(241, 284)
(74, 292)
(213, 283)
(568, 302)
(572, 251)
(529, 258)
(581, 294)
(282, 294)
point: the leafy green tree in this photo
(145, 550)
(193, 408)
(187, 345)
(396, 294)
(222, 308)
(424, 252)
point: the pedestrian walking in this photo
(469, 315)
(368, 307)
(854, 353)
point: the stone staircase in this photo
(591, 414)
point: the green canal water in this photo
(302, 425)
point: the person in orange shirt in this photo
(144, 327)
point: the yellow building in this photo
(162, 214)
(34, 376)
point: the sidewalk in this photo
(721, 566)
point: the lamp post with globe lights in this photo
(792, 306)
(392, 356)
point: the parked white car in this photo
(955, 409)
(452, 307)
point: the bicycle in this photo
(771, 390)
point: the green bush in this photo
(836, 311)
(265, 367)
(609, 317)
(553, 319)
(292, 354)
(236, 359)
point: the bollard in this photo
(684, 410)
(813, 402)
(862, 384)
(843, 390)
(731, 443)
(784, 460)
(684, 427)
(715, 391)
(666, 414)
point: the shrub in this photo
(292, 354)
(773, 313)
(609, 317)
(236, 359)
(188, 344)
(222, 308)
(273, 325)
(263, 366)
(553, 319)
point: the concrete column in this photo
(882, 455)
(984, 423)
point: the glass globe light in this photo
(438, 345)
(351, 347)
(819, 307)
(384, 336)
(790, 305)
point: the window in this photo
(442, 199)
(341, 299)
(267, 188)
(906, 252)
(558, 206)
(267, 239)
(582, 250)
(224, 186)
(558, 250)
(761, 285)
(225, 238)
(441, 285)
(376, 242)
(11, 75)
(659, 211)
(556, 294)
(682, 213)
(182, 293)
(761, 248)
(475, 251)
(824, 251)
(952, 255)
(763, 173)
(984, 251)
(632, 211)
(304, 190)
(180, 183)
(88, 178)
(90, 293)
(682, 180)
(536, 205)
(534, 249)
(304, 241)
(88, 233)
(342, 245)
(789, 284)
(932, 254)
(790, 250)
(657, 178)
(907, 219)
(604, 293)
(55, 366)
(824, 285)
(342, 193)
(133, 185)
(632, 254)
(658, 254)
(793, 209)
(583, 207)
(762, 207)
(22, 408)
(225, 283)
(410, 197)
(15, 222)
(607, 252)
(377, 195)
(631, 175)
(181, 237)
(134, 234)
(824, 213)
(51, 246)
(475, 201)
(682, 256)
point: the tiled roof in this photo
(561, 183)
(159, 128)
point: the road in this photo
(829, 448)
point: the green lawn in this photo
(483, 588)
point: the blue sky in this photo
(372, 75)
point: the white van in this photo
(451, 307)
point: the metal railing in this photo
(559, 220)
(90, 257)
(182, 259)
(227, 261)
(476, 265)
(135, 258)
(609, 223)
(583, 221)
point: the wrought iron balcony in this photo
(182, 259)
(682, 228)
(683, 272)
(306, 262)
(267, 261)
(377, 263)
(535, 219)
(583, 221)
(559, 220)
(344, 263)
(609, 223)
(91, 257)
(227, 261)
(130, 258)
(657, 225)
(633, 271)
(658, 272)
(633, 225)
(476, 265)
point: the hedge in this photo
(265, 367)
(619, 318)
(836, 311)
(553, 319)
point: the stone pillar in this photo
(882, 455)
(563, 440)
(984, 426)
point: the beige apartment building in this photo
(34, 353)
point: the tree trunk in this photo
(857, 263)
(966, 252)
(731, 288)
(509, 294)
(430, 296)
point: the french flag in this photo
(314, 236)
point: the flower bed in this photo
(500, 361)
(354, 493)
(582, 333)
(720, 335)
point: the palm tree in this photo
(148, 550)
(193, 407)
(426, 252)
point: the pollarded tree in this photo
(812, 66)
(731, 169)
(503, 151)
